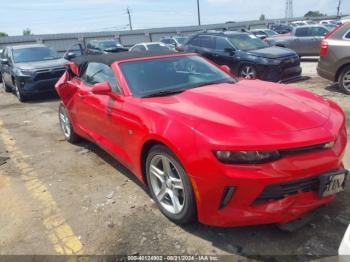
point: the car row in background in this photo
(150, 46)
(97, 47)
(30, 69)
(246, 55)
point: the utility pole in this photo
(128, 12)
(338, 8)
(199, 13)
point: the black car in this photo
(30, 69)
(281, 29)
(97, 47)
(246, 55)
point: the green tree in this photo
(262, 17)
(27, 31)
(314, 14)
(3, 34)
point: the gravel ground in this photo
(58, 198)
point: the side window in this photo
(302, 32)
(89, 46)
(99, 73)
(347, 35)
(207, 42)
(222, 44)
(319, 31)
(138, 48)
(195, 41)
(165, 41)
(172, 41)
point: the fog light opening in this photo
(226, 196)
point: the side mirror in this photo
(102, 88)
(231, 51)
(4, 61)
(226, 69)
(70, 55)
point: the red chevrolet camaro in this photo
(209, 147)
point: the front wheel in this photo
(66, 125)
(170, 186)
(344, 80)
(247, 72)
(6, 87)
(22, 98)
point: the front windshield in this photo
(178, 73)
(32, 54)
(246, 42)
(109, 44)
(271, 32)
(181, 40)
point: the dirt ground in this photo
(58, 198)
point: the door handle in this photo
(215, 55)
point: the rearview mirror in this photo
(70, 56)
(226, 69)
(101, 88)
(4, 61)
(230, 50)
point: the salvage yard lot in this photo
(58, 198)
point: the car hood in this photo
(42, 64)
(272, 52)
(249, 105)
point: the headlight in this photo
(246, 157)
(25, 72)
(270, 61)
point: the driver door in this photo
(93, 111)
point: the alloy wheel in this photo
(346, 81)
(248, 72)
(65, 123)
(167, 184)
(18, 94)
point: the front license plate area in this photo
(333, 183)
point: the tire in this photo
(21, 97)
(7, 88)
(174, 196)
(66, 125)
(344, 80)
(247, 71)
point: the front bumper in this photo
(278, 73)
(250, 181)
(30, 87)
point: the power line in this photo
(128, 12)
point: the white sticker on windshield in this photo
(252, 36)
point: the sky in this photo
(65, 16)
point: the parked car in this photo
(174, 42)
(1, 50)
(305, 40)
(246, 55)
(97, 47)
(152, 46)
(30, 69)
(344, 249)
(227, 152)
(281, 28)
(264, 33)
(334, 63)
(329, 22)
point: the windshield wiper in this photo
(214, 83)
(165, 93)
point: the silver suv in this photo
(334, 63)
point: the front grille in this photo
(303, 150)
(280, 191)
(48, 74)
(290, 62)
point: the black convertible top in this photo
(109, 59)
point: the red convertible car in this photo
(208, 146)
